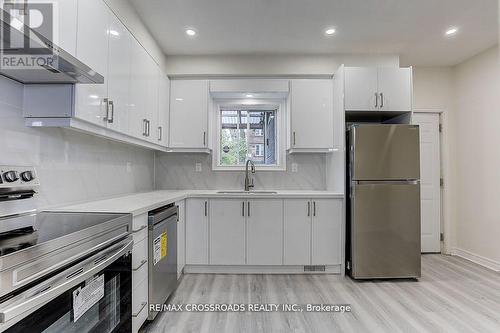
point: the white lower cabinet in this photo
(227, 232)
(264, 232)
(139, 271)
(197, 231)
(312, 229)
(139, 305)
(326, 232)
(260, 232)
(181, 237)
(297, 232)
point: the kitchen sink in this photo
(247, 192)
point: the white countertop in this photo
(140, 203)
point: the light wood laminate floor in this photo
(453, 295)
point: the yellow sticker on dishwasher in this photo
(160, 245)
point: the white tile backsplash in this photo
(71, 166)
(178, 171)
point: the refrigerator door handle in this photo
(383, 182)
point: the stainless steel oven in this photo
(93, 295)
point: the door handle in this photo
(243, 208)
(206, 208)
(314, 208)
(111, 118)
(204, 139)
(160, 133)
(294, 138)
(149, 127)
(381, 100)
(376, 100)
(144, 127)
(308, 208)
(248, 209)
(106, 104)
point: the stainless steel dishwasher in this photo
(162, 255)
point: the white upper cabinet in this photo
(163, 109)
(138, 91)
(92, 49)
(151, 114)
(395, 89)
(312, 114)
(188, 114)
(360, 88)
(67, 20)
(374, 89)
(120, 44)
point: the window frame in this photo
(278, 105)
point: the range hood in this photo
(59, 67)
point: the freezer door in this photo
(385, 152)
(385, 230)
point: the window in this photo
(247, 135)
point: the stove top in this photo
(23, 231)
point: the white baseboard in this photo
(260, 269)
(475, 258)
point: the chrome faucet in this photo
(248, 181)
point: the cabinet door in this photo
(181, 237)
(326, 231)
(152, 80)
(163, 109)
(395, 87)
(297, 232)
(361, 89)
(197, 232)
(227, 232)
(92, 49)
(188, 113)
(312, 114)
(119, 74)
(138, 90)
(67, 19)
(264, 232)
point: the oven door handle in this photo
(27, 302)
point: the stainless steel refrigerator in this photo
(383, 185)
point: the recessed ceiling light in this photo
(249, 95)
(191, 32)
(451, 31)
(329, 31)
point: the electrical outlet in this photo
(198, 167)
(129, 167)
(295, 167)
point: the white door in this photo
(360, 88)
(92, 49)
(297, 231)
(395, 89)
(163, 109)
(188, 113)
(227, 232)
(181, 237)
(119, 74)
(197, 231)
(312, 114)
(430, 180)
(326, 231)
(264, 232)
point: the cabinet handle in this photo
(248, 209)
(376, 100)
(381, 100)
(111, 119)
(144, 127)
(314, 208)
(243, 208)
(149, 127)
(143, 305)
(160, 133)
(206, 208)
(308, 208)
(294, 138)
(143, 262)
(204, 139)
(106, 104)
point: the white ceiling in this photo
(412, 28)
